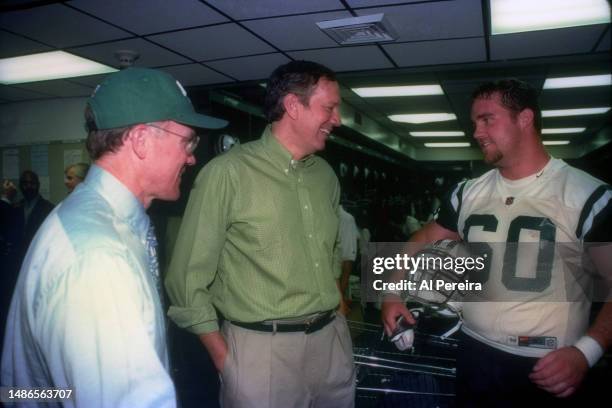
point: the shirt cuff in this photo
(193, 320)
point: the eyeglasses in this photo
(192, 142)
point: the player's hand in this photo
(560, 372)
(392, 308)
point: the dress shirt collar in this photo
(123, 202)
(280, 156)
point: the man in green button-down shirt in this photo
(259, 243)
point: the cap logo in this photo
(95, 90)
(181, 88)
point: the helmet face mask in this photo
(435, 283)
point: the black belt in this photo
(309, 326)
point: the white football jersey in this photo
(526, 290)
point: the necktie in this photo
(151, 245)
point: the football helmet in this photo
(435, 288)
(436, 277)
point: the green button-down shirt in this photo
(258, 239)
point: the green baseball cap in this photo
(143, 95)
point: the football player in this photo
(535, 345)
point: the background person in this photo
(33, 209)
(74, 175)
(349, 243)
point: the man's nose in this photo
(336, 120)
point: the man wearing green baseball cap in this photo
(86, 315)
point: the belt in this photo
(308, 326)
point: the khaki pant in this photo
(286, 370)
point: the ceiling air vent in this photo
(359, 30)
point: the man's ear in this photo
(526, 118)
(291, 104)
(138, 139)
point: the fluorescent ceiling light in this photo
(457, 144)
(411, 90)
(516, 16)
(555, 142)
(554, 131)
(578, 81)
(422, 117)
(438, 134)
(573, 112)
(47, 66)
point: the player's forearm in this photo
(429, 233)
(432, 232)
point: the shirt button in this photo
(316, 264)
(309, 235)
(300, 180)
(305, 207)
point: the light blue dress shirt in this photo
(86, 314)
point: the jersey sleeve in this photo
(595, 223)
(448, 213)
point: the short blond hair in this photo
(80, 170)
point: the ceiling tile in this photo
(347, 58)
(374, 3)
(604, 44)
(196, 74)
(59, 26)
(58, 88)
(432, 21)
(89, 80)
(304, 31)
(151, 55)
(433, 103)
(461, 105)
(151, 16)
(245, 9)
(217, 42)
(570, 121)
(13, 45)
(562, 41)
(13, 94)
(355, 80)
(576, 97)
(437, 52)
(250, 68)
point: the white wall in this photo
(42, 121)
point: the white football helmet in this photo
(435, 298)
(438, 266)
